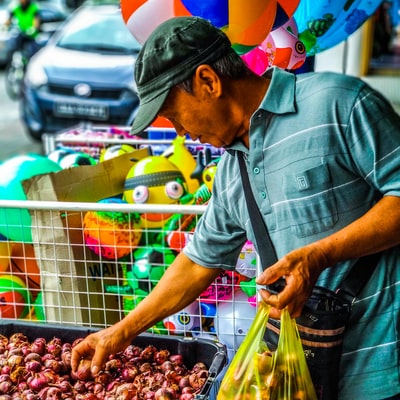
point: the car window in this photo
(98, 33)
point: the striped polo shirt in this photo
(324, 147)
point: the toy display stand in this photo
(92, 139)
(67, 281)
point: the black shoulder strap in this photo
(356, 278)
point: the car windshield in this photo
(99, 33)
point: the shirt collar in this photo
(280, 96)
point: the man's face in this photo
(204, 118)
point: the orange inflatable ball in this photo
(112, 234)
(5, 253)
(14, 297)
(24, 265)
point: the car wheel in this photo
(36, 135)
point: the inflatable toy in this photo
(181, 157)
(326, 23)
(77, 159)
(115, 151)
(246, 22)
(111, 234)
(233, 319)
(38, 308)
(184, 321)
(23, 264)
(15, 224)
(247, 261)
(222, 288)
(155, 180)
(5, 254)
(150, 263)
(281, 48)
(14, 297)
(58, 155)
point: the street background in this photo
(13, 139)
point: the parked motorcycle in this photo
(23, 48)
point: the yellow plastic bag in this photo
(256, 373)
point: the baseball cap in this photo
(170, 55)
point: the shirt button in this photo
(263, 195)
(256, 170)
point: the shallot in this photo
(41, 370)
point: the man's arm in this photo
(377, 230)
(180, 285)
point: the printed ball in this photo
(115, 151)
(23, 264)
(58, 155)
(5, 254)
(233, 319)
(112, 234)
(14, 297)
(184, 321)
(15, 224)
(76, 160)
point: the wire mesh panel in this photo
(74, 253)
(90, 264)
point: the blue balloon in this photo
(216, 11)
(326, 23)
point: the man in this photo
(25, 15)
(323, 156)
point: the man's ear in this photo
(207, 81)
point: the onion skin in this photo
(42, 371)
(83, 372)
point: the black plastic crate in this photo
(193, 350)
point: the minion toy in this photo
(208, 173)
(154, 180)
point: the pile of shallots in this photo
(41, 370)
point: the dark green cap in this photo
(169, 56)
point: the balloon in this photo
(222, 288)
(14, 296)
(247, 261)
(112, 235)
(154, 180)
(246, 22)
(259, 60)
(283, 48)
(115, 151)
(5, 253)
(76, 159)
(284, 11)
(39, 308)
(233, 320)
(184, 321)
(23, 264)
(324, 24)
(180, 156)
(15, 224)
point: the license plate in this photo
(93, 111)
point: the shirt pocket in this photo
(310, 200)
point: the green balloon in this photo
(15, 223)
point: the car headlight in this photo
(35, 74)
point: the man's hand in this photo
(301, 269)
(97, 347)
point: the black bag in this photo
(323, 321)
